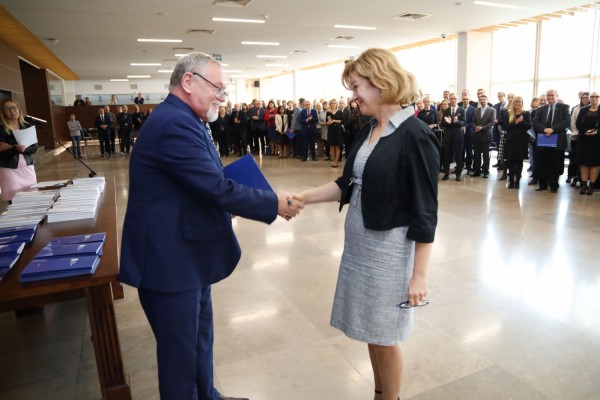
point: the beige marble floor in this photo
(514, 313)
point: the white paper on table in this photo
(26, 137)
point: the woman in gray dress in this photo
(390, 183)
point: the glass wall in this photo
(568, 57)
(513, 62)
(434, 66)
(566, 54)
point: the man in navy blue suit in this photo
(468, 130)
(177, 235)
(309, 119)
(453, 140)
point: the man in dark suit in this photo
(309, 119)
(484, 118)
(468, 130)
(453, 122)
(496, 132)
(139, 99)
(553, 119)
(112, 133)
(78, 101)
(348, 137)
(125, 129)
(102, 124)
(177, 236)
(256, 115)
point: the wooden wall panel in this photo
(10, 72)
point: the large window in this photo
(433, 65)
(513, 61)
(566, 53)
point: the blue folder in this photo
(12, 248)
(67, 250)
(26, 237)
(245, 171)
(546, 141)
(7, 261)
(290, 134)
(17, 230)
(40, 269)
(93, 237)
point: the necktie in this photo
(102, 118)
(550, 116)
(452, 113)
(481, 111)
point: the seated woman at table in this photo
(16, 163)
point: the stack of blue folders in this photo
(12, 242)
(64, 257)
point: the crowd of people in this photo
(467, 130)
(123, 125)
(304, 129)
(545, 133)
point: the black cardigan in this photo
(400, 180)
(10, 158)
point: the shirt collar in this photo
(397, 119)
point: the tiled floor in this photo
(514, 313)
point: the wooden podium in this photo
(98, 289)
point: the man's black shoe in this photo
(445, 178)
(540, 188)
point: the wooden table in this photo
(98, 289)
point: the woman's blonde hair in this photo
(512, 116)
(5, 122)
(383, 71)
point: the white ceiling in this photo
(98, 39)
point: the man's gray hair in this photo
(191, 62)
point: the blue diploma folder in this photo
(7, 261)
(26, 237)
(246, 171)
(67, 250)
(12, 248)
(52, 268)
(93, 237)
(290, 134)
(17, 230)
(546, 141)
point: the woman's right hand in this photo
(5, 146)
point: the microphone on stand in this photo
(35, 120)
(40, 122)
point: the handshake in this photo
(289, 205)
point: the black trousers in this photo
(549, 165)
(453, 150)
(469, 150)
(515, 169)
(481, 150)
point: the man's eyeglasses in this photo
(11, 108)
(221, 92)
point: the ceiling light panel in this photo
(161, 40)
(240, 20)
(145, 64)
(365, 28)
(265, 56)
(261, 43)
